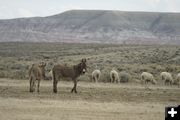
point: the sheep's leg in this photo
(113, 80)
(146, 84)
(117, 80)
(142, 81)
(92, 79)
(96, 80)
(165, 82)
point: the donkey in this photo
(73, 72)
(36, 72)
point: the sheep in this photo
(147, 77)
(96, 75)
(167, 77)
(178, 79)
(114, 77)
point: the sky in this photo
(33, 8)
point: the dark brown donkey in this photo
(73, 72)
(36, 72)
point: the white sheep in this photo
(114, 76)
(96, 75)
(147, 77)
(167, 77)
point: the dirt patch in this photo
(102, 101)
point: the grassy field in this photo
(102, 101)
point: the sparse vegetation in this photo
(94, 101)
(134, 59)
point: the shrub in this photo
(2, 75)
(105, 77)
(18, 74)
(84, 78)
(124, 77)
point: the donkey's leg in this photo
(38, 85)
(30, 87)
(74, 88)
(55, 81)
(33, 85)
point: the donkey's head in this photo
(82, 66)
(42, 66)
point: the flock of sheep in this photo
(146, 77)
(58, 72)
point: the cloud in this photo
(23, 8)
(168, 5)
(6, 13)
(24, 12)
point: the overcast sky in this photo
(29, 8)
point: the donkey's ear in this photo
(40, 64)
(44, 64)
(84, 59)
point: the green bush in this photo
(84, 78)
(2, 74)
(124, 77)
(105, 77)
(18, 74)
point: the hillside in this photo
(95, 26)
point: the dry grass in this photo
(102, 101)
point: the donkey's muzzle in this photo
(83, 71)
